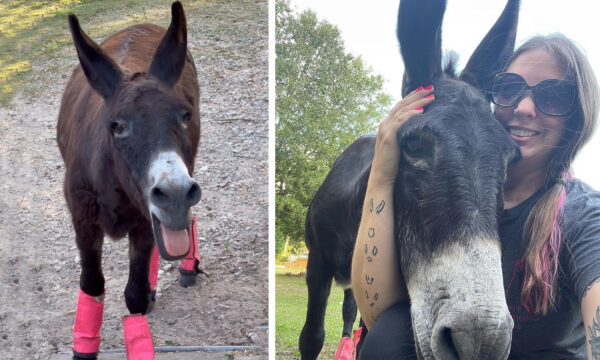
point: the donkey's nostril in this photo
(193, 195)
(158, 197)
(157, 192)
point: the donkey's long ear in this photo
(494, 50)
(170, 56)
(100, 70)
(419, 32)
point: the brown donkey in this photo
(128, 131)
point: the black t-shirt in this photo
(559, 334)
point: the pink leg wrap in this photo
(138, 340)
(88, 321)
(153, 274)
(347, 348)
(192, 261)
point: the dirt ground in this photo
(39, 266)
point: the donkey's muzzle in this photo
(471, 337)
(166, 194)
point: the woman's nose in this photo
(526, 106)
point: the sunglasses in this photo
(552, 97)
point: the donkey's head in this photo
(449, 194)
(153, 132)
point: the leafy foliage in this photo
(325, 99)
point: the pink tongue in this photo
(177, 243)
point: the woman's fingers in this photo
(416, 99)
(418, 93)
(406, 111)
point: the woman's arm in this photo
(590, 312)
(376, 278)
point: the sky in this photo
(368, 30)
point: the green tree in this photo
(325, 99)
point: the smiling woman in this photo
(551, 227)
(547, 100)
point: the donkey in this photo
(128, 132)
(447, 201)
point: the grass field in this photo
(290, 308)
(31, 30)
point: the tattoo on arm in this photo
(590, 286)
(369, 258)
(380, 207)
(594, 333)
(371, 232)
(374, 250)
(369, 279)
(371, 205)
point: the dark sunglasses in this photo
(552, 97)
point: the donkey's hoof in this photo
(81, 356)
(187, 278)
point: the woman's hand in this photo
(387, 151)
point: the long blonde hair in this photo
(542, 236)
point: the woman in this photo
(547, 100)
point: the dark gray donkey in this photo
(447, 200)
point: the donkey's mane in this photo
(450, 62)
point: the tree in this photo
(325, 99)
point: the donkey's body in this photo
(88, 152)
(128, 131)
(447, 203)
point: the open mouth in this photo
(172, 244)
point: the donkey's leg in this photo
(90, 301)
(348, 312)
(137, 292)
(136, 332)
(318, 280)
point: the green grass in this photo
(290, 313)
(31, 30)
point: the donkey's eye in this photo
(417, 151)
(185, 118)
(119, 128)
(415, 146)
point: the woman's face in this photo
(536, 133)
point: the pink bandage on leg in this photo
(191, 262)
(88, 321)
(138, 340)
(347, 347)
(153, 273)
(345, 350)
